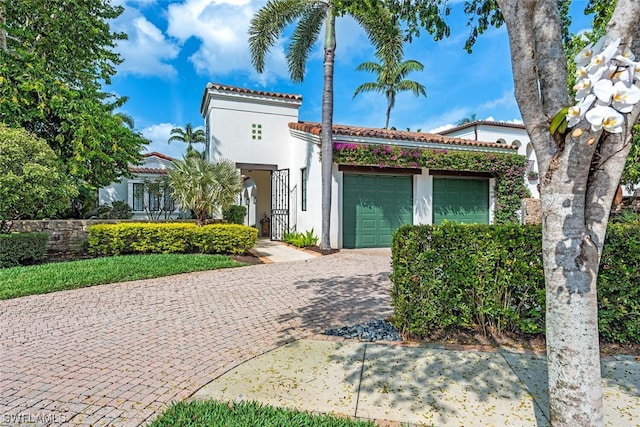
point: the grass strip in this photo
(44, 278)
(243, 414)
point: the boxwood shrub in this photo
(22, 248)
(128, 238)
(234, 214)
(491, 278)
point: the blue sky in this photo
(176, 47)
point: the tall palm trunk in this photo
(326, 134)
(386, 125)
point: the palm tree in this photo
(203, 187)
(267, 26)
(126, 120)
(472, 118)
(391, 80)
(188, 136)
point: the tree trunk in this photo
(326, 134)
(3, 32)
(580, 172)
(571, 270)
(386, 126)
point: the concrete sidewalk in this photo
(270, 251)
(416, 385)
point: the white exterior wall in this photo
(305, 153)
(423, 198)
(231, 118)
(123, 190)
(113, 192)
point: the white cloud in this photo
(221, 26)
(506, 100)
(159, 135)
(442, 128)
(147, 51)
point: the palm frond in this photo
(268, 24)
(204, 187)
(368, 87)
(372, 67)
(304, 37)
(411, 86)
(383, 31)
(408, 66)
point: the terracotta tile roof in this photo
(227, 88)
(396, 135)
(483, 122)
(157, 171)
(156, 154)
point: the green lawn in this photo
(40, 279)
(244, 414)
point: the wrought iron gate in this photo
(279, 204)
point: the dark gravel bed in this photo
(376, 330)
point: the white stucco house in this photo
(146, 192)
(279, 157)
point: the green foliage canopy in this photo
(33, 185)
(54, 57)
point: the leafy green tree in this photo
(54, 57)
(33, 184)
(203, 187)
(580, 169)
(268, 25)
(190, 137)
(390, 79)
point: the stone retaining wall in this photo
(71, 235)
(65, 235)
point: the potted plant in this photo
(533, 175)
(265, 226)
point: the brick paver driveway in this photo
(118, 354)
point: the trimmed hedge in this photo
(128, 238)
(234, 214)
(491, 277)
(22, 248)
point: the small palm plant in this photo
(203, 187)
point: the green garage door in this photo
(374, 206)
(461, 200)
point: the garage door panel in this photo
(374, 206)
(460, 200)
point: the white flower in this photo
(582, 88)
(576, 112)
(625, 96)
(622, 96)
(601, 60)
(604, 90)
(605, 117)
(584, 56)
(581, 73)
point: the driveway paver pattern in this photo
(119, 354)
